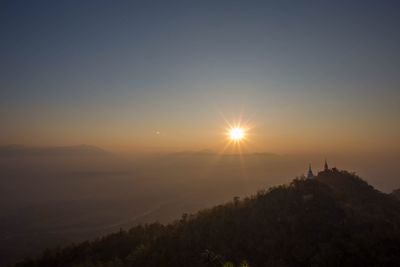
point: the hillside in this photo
(396, 194)
(50, 197)
(336, 219)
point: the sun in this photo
(236, 134)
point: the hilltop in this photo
(334, 219)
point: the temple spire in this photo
(310, 173)
(326, 168)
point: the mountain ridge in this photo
(335, 219)
(22, 150)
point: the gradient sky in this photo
(309, 75)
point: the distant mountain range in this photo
(335, 219)
(21, 150)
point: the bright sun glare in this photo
(236, 134)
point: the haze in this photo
(151, 90)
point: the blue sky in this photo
(113, 72)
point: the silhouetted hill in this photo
(336, 219)
(396, 194)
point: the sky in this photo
(304, 76)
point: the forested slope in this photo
(336, 219)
